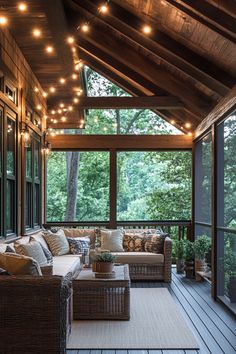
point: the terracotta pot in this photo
(189, 269)
(200, 265)
(179, 265)
(104, 267)
(232, 289)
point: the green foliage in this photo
(179, 249)
(105, 257)
(189, 251)
(202, 245)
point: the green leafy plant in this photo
(105, 257)
(201, 246)
(189, 251)
(179, 249)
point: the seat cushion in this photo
(62, 265)
(138, 257)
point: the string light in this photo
(37, 32)
(85, 27)
(187, 125)
(74, 76)
(39, 107)
(190, 134)
(63, 119)
(53, 111)
(52, 89)
(62, 105)
(147, 29)
(70, 40)
(103, 8)
(36, 89)
(45, 94)
(3, 20)
(59, 111)
(22, 6)
(62, 80)
(79, 65)
(70, 108)
(76, 100)
(172, 121)
(49, 49)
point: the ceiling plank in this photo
(228, 6)
(192, 98)
(140, 142)
(148, 102)
(165, 48)
(209, 16)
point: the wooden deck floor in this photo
(213, 326)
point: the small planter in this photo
(189, 269)
(179, 265)
(232, 289)
(104, 267)
(200, 265)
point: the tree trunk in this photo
(72, 164)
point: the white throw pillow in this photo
(112, 240)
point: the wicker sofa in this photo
(142, 265)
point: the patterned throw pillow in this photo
(97, 238)
(57, 242)
(79, 245)
(154, 243)
(133, 242)
(32, 249)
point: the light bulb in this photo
(147, 29)
(70, 40)
(52, 89)
(62, 80)
(36, 89)
(39, 107)
(74, 76)
(103, 8)
(37, 32)
(172, 121)
(49, 49)
(85, 27)
(188, 125)
(63, 119)
(70, 108)
(22, 6)
(3, 20)
(76, 100)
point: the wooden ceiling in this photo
(190, 54)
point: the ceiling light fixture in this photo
(37, 32)
(85, 27)
(22, 6)
(3, 20)
(147, 29)
(70, 40)
(49, 49)
(103, 8)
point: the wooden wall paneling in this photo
(129, 142)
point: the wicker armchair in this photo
(34, 314)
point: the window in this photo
(1, 171)
(33, 182)
(203, 186)
(154, 186)
(78, 186)
(226, 209)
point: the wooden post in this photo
(113, 189)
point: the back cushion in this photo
(32, 249)
(133, 242)
(39, 238)
(17, 264)
(154, 243)
(57, 242)
(73, 232)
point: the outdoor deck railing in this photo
(176, 229)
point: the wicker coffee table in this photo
(103, 299)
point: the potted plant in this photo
(189, 259)
(179, 255)
(201, 246)
(104, 262)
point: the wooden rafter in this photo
(209, 16)
(148, 102)
(165, 48)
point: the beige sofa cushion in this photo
(138, 257)
(57, 242)
(17, 264)
(39, 238)
(73, 232)
(112, 240)
(32, 249)
(62, 265)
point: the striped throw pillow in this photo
(57, 242)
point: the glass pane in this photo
(10, 206)
(28, 160)
(203, 185)
(36, 204)
(230, 172)
(78, 186)
(10, 146)
(28, 204)
(154, 186)
(36, 158)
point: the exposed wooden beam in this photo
(165, 48)
(226, 104)
(193, 99)
(209, 16)
(144, 102)
(141, 142)
(227, 6)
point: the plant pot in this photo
(189, 269)
(200, 265)
(179, 265)
(232, 289)
(104, 267)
